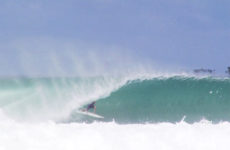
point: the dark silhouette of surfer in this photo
(91, 106)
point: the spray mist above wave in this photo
(69, 58)
(53, 57)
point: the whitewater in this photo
(176, 111)
(112, 136)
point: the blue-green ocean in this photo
(118, 99)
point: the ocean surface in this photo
(140, 112)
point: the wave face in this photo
(124, 100)
(170, 99)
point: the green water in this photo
(171, 99)
(124, 101)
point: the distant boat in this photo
(228, 71)
(204, 70)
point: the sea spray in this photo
(52, 98)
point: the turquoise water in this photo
(168, 100)
(123, 100)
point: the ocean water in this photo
(140, 112)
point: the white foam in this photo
(111, 136)
(57, 103)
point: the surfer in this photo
(91, 106)
(85, 111)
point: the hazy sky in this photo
(36, 35)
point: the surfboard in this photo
(89, 114)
